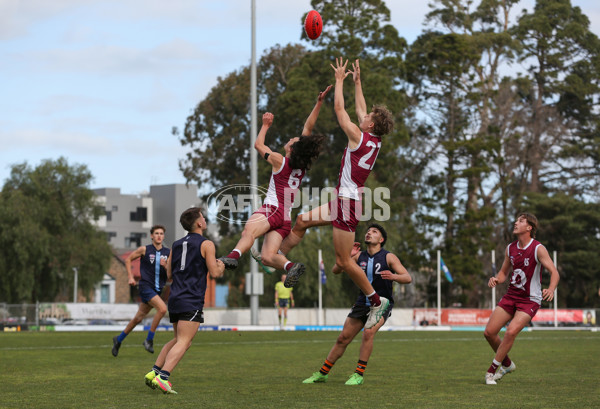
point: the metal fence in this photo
(20, 317)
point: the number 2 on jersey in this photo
(363, 161)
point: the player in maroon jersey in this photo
(364, 142)
(526, 257)
(273, 219)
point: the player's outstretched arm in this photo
(275, 159)
(546, 261)
(215, 267)
(401, 274)
(361, 104)
(351, 130)
(314, 114)
(137, 253)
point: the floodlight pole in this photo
(253, 164)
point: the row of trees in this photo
(496, 112)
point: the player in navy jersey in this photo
(191, 259)
(526, 257)
(381, 268)
(364, 143)
(153, 276)
(273, 219)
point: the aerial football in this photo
(313, 25)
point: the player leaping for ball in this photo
(364, 142)
(273, 219)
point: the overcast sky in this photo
(102, 82)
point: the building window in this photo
(115, 208)
(108, 215)
(134, 240)
(105, 293)
(140, 215)
(110, 235)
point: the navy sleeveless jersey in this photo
(152, 274)
(189, 274)
(373, 266)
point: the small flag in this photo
(445, 270)
(322, 271)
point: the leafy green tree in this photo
(562, 56)
(46, 231)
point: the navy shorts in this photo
(361, 312)
(192, 316)
(147, 293)
(284, 302)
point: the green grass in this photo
(265, 370)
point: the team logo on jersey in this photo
(363, 265)
(526, 261)
(152, 257)
(512, 260)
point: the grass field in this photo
(265, 370)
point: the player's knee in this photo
(248, 235)
(343, 340)
(267, 259)
(343, 261)
(301, 222)
(511, 333)
(162, 309)
(488, 334)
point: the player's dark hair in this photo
(381, 230)
(157, 226)
(305, 149)
(189, 217)
(383, 120)
(532, 221)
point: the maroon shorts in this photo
(344, 213)
(278, 220)
(512, 304)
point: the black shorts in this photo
(284, 302)
(192, 316)
(361, 312)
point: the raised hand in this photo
(267, 118)
(356, 71)
(322, 94)
(340, 69)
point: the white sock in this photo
(496, 362)
(286, 264)
(238, 251)
(371, 294)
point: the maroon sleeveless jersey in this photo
(526, 278)
(356, 166)
(283, 187)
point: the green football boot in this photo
(355, 379)
(317, 377)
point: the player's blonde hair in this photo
(383, 120)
